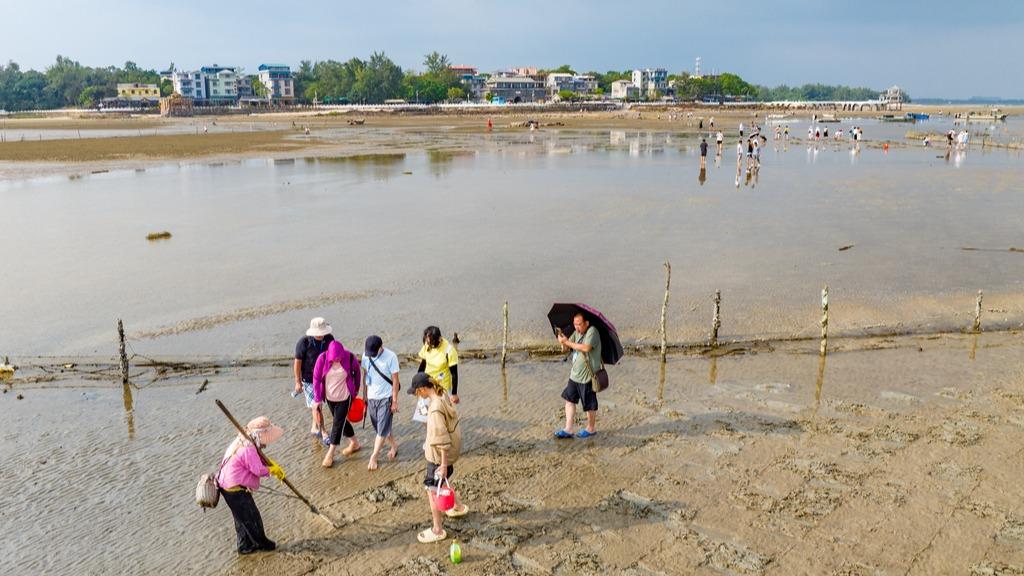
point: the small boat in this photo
(918, 115)
(894, 118)
(828, 118)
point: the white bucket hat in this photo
(318, 327)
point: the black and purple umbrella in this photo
(561, 316)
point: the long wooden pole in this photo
(824, 320)
(266, 460)
(716, 319)
(664, 310)
(977, 313)
(121, 351)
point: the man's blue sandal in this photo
(585, 434)
(563, 435)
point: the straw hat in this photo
(318, 327)
(264, 431)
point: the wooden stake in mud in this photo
(504, 335)
(266, 460)
(977, 313)
(716, 319)
(824, 320)
(664, 311)
(121, 352)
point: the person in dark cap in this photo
(380, 377)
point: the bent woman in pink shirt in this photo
(240, 473)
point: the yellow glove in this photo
(275, 470)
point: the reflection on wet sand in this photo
(504, 385)
(661, 382)
(820, 382)
(713, 370)
(129, 409)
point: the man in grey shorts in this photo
(380, 376)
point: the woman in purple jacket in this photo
(336, 379)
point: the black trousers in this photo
(248, 522)
(339, 413)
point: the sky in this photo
(937, 48)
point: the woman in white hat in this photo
(239, 476)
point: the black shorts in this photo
(428, 479)
(581, 393)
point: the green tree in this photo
(259, 90)
(90, 96)
(304, 78)
(456, 93)
(489, 96)
(566, 95)
(437, 63)
(380, 80)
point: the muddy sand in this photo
(893, 456)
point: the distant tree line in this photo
(378, 79)
(66, 83)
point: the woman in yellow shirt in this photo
(440, 360)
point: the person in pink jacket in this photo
(239, 476)
(336, 379)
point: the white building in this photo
(189, 84)
(221, 84)
(624, 90)
(649, 81)
(208, 85)
(277, 79)
(577, 83)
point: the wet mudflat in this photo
(410, 221)
(894, 456)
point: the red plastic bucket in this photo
(357, 410)
(444, 496)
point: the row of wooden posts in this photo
(716, 324)
(716, 320)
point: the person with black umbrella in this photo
(585, 342)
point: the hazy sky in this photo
(931, 48)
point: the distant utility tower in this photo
(696, 68)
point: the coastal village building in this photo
(191, 85)
(892, 99)
(472, 81)
(277, 78)
(516, 89)
(210, 85)
(625, 90)
(135, 92)
(650, 81)
(222, 84)
(583, 84)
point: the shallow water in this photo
(392, 242)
